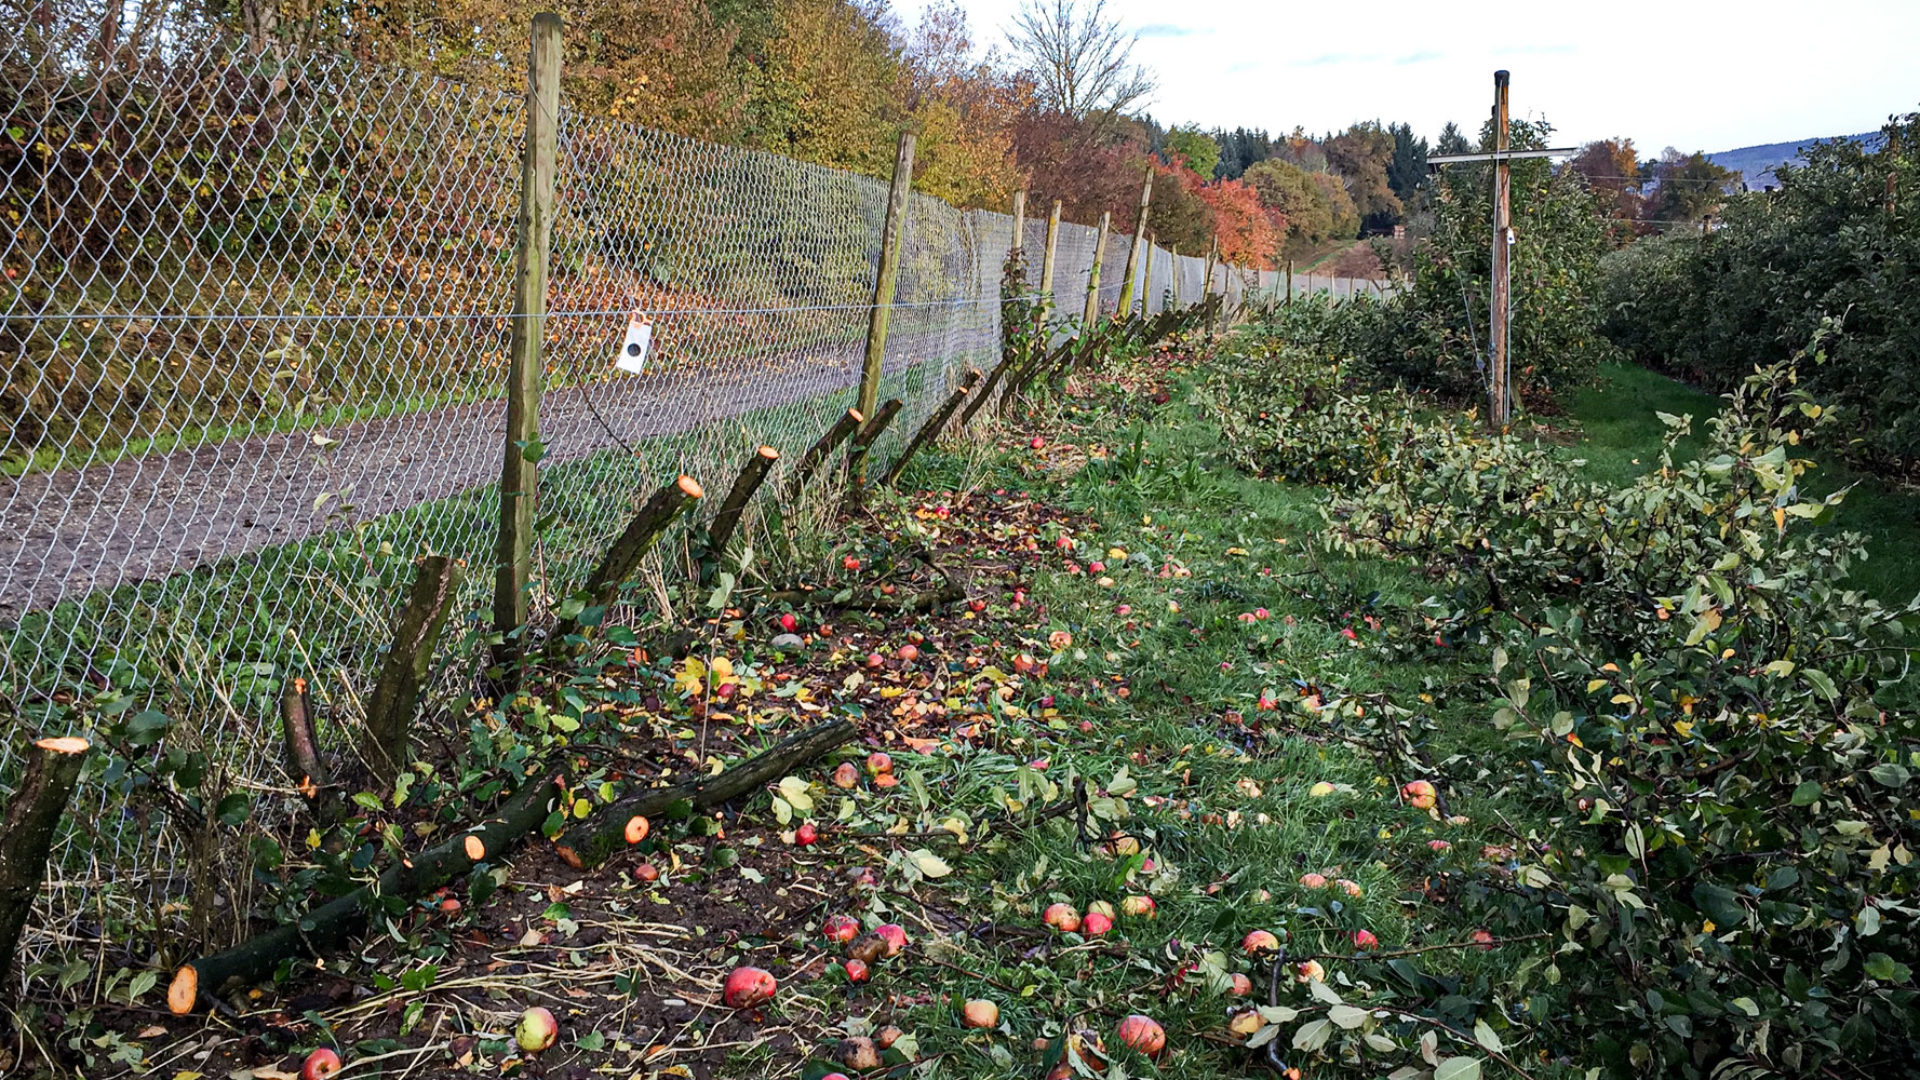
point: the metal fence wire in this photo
(254, 325)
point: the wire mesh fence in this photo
(254, 325)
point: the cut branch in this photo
(26, 838)
(734, 506)
(396, 695)
(625, 822)
(331, 924)
(303, 749)
(623, 558)
(848, 423)
(930, 430)
(863, 440)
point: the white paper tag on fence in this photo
(633, 351)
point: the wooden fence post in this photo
(1017, 248)
(520, 474)
(1092, 313)
(1146, 282)
(396, 696)
(26, 838)
(889, 276)
(1134, 253)
(1173, 273)
(1046, 264)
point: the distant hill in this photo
(1755, 164)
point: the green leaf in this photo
(1487, 1037)
(1458, 1068)
(1890, 774)
(1347, 1016)
(1887, 969)
(1312, 1036)
(1806, 794)
(1719, 904)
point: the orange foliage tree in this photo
(1244, 226)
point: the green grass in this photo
(1621, 439)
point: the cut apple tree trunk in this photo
(591, 842)
(396, 696)
(734, 506)
(623, 558)
(26, 837)
(333, 923)
(930, 430)
(828, 442)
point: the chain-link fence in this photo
(255, 322)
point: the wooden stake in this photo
(396, 696)
(26, 838)
(863, 441)
(1501, 393)
(1146, 281)
(1019, 243)
(1092, 313)
(330, 924)
(1134, 255)
(520, 472)
(830, 440)
(930, 430)
(1046, 266)
(889, 275)
(734, 506)
(1289, 281)
(589, 843)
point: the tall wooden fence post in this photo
(889, 276)
(1146, 282)
(1500, 395)
(520, 474)
(1092, 313)
(1134, 253)
(1046, 264)
(1017, 248)
(1289, 281)
(1173, 273)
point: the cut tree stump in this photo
(396, 696)
(930, 430)
(734, 506)
(332, 923)
(592, 841)
(26, 837)
(304, 763)
(848, 423)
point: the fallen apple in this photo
(1364, 939)
(841, 928)
(867, 948)
(1483, 939)
(1309, 971)
(1321, 789)
(1096, 924)
(1139, 907)
(857, 970)
(887, 1036)
(894, 935)
(646, 872)
(879, 763)
(1244, 1023)
(1101, 907)
(1143, 1034)
(1258, 942)
(748, 986)
(537, 1029)
(909, 653)
(875, 660)
(1313, 881)
(806, 835)
(1419, 794)
(1239, 985)
(858, 1053)
(320, 1064)
(637, 829)
(1061, 917)
(789, 622)
(980, 1013)
(846, 776)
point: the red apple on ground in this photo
(875, 660)
(1143, 1034)
(806, 835)
(857, 971)
(789, 622)
(887, 1036)
(1038, 443)
(1364, 939)
(1419, 794)
(646, 872)
(846, 776)
(749, 986)
(537, 1029)
(1240, 986)
(1096, 924)
(1061, 917)
(320, 1064)
(841, 928)
(1258, 942)
(1139, 907)
(1483, 939)
(879, 763)
(894, 935)
(908, 653)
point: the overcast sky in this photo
(1685, 73)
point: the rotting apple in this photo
(1419, 794)
(858, 1053)
(841, 928)
(1139, 907)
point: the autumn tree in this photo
(1361, 155)
(1245, 228)
(1688, 187)
(964, 105)
(1181, 216)
(1080, 59)
(1611, 170)
(1201, 152)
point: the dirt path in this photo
(67, 533)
